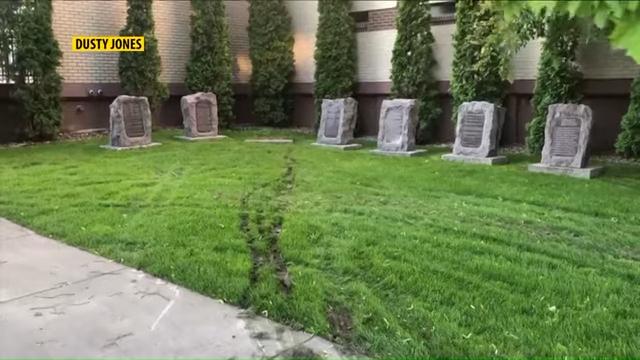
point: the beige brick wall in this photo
(172, 22)
(87, 18)
(102, 17)
(599, 61)
(304, 23)
(238, 20)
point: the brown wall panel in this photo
(10, 123)
(303, 115)
(83, 114)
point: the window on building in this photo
(361, 19)
(443, 10)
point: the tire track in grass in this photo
(261, 221)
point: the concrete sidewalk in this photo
(59, 301)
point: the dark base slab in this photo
(399, 153)
(118, 148)
(583, 173)
(201, 138)
(339, 147)
(494, 160)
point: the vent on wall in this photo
(361, 19)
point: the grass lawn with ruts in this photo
(389, 256)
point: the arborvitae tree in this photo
(210, 65)
(558, 75)
(271, 52)
(37, 57)
(140, 71)
(335, 53)
(628, 143)
(413, 63)
(479, 55)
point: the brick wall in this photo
(172, 22)
(87, 18)
(99, 17)
(238, 20)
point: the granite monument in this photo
(478, 133)
(337, 122)
(200, 116)
(566, 142)
(397, 128)
(129, 123)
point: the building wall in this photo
(87, 18)
(607, 71)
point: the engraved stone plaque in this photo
(393, 125)
(199, 115)
(471, 129)
(133, 123)
(129, 122)
(332, 125)
(567, 135)
(478, 129)
(337, 121)
(398, 125)
(204, 121)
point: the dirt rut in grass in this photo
(261, 221)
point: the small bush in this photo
(140, 71)
(210, 65)
(628, 143)
(271, 52)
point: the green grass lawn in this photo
(391, 256)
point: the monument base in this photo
(118, 148)
(494, 160)
(270, 141)
(339, 147)
(399, 153)
(201, 138)
(583, 173)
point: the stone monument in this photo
(200, 116)
(129, 123)
(337, 122)
(397, 128)
(566, 142)
(478, 134)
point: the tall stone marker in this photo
(200, 116)
(129, 123)
(566, 142)
(337, 122)
(397, 128)
(478, 134)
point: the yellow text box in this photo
(107, 43)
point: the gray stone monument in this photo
(397, 128)
(478, 133)
(200, 116)
(129, 123)
(337, 122)
(566, 142)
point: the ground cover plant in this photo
(390, 256)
